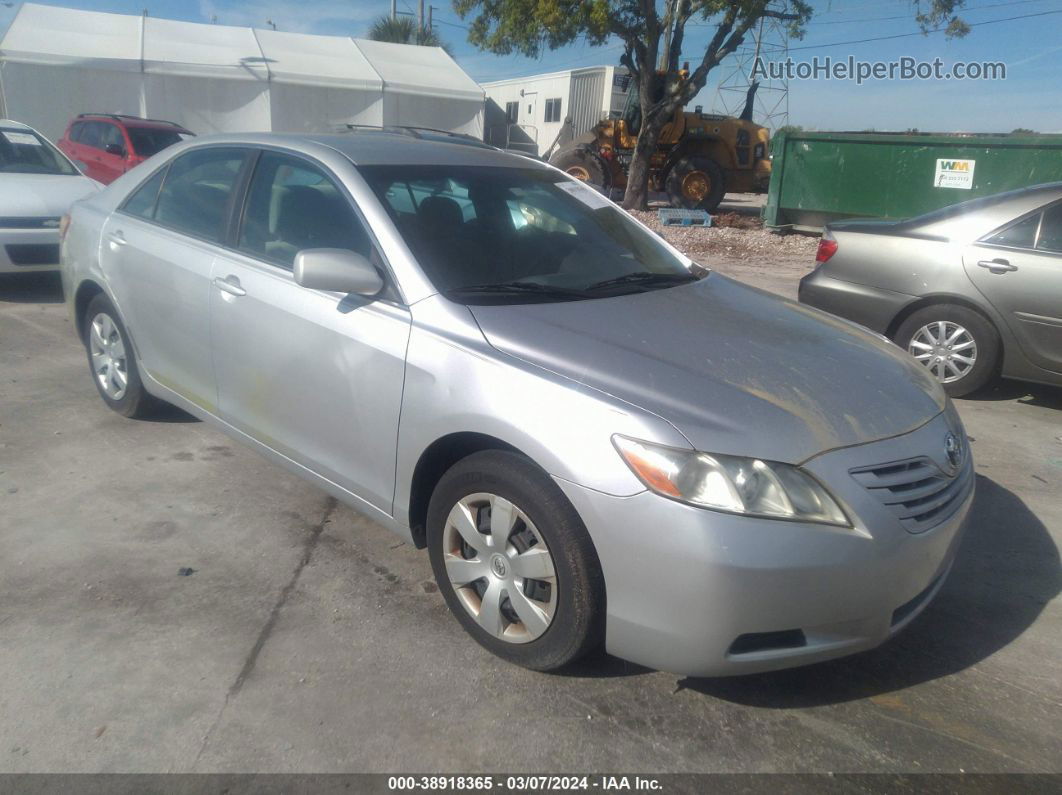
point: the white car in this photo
(38, 184)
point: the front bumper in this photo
(703, 593)
(26, 250)
(869, 306)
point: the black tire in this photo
(688, 174)
(577, 624)
(986, 341)
(134, 401)
(584, 165)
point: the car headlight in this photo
(729, 483)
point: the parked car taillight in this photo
(827, 248)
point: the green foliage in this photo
(941, 15)
(788, 129)
(403, 30)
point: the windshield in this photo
(25, 152)
(496, 234)
(148, 141)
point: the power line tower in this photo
(770, 41)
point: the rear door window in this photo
(196, 192)
(91, 133)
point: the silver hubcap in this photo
(108, 356)
(500, 567)
(946, 348)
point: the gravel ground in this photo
(756, 256)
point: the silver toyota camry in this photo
(596, 439)
(972, 291)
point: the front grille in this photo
(917, 491)
(33, 253)
(29, 223)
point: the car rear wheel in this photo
(959, 346)
(514, 561)
(112, 361)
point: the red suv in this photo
(107, 145)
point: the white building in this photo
(528, 112)
(58, 62)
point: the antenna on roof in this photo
(271, 23)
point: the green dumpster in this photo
(818, 177)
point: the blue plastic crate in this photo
(673, 217)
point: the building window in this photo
(553, 109)
(512, 110)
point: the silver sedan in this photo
(971, 291)
(596, 439)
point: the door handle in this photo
(997, 265)
(117, 239)
(230, 284)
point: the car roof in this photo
(963, 220)
(131, 121)
(15, 125)
(388, 147)
(991, 211)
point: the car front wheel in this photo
(959, 346)
(514, 561)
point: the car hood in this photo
(42, 195)
(735, 369)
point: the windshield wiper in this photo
(644, 278)
(518, 287)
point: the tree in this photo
(653, 34)
(404, 30)
(789, 129)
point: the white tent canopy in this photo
(58, 62)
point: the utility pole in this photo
(770, 41)
(420, 16)
(394, 8)
(429, 16)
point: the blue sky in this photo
(1031, 48)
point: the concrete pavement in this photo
(310, 639)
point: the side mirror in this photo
(114, 149)
(338, 270)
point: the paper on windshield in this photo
(584, 193)
(21, 138)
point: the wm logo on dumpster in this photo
(954, 174)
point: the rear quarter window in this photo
(141, 202)
(1019, 235)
